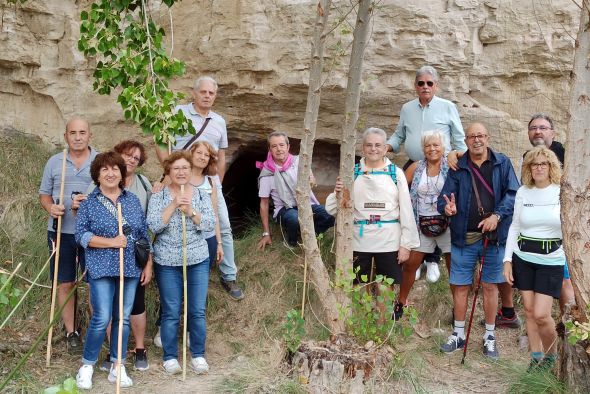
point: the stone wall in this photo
(499, 61)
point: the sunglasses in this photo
(422, 83)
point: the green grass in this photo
(537, 381)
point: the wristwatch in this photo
(265, 234)
(498, 216)
(193, 214)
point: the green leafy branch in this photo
(130, 53)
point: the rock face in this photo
(500, 61)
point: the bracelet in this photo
(219, 243)
(265, 234)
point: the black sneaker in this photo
(106, 364)
(232, 289)
(398, 311)
(453, 343)
(74, 343)
(547, 363)
(489, 348)
(141, 361)
(503, 321)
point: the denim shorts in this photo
(464, 260)
(69, 253)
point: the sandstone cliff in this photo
(499, 61)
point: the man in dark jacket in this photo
(473, 214)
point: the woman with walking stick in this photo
(165, 212)
(534, 257)
(97, 230)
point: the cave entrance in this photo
(240, 184)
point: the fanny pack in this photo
(374, 219)
(433, 226)
(538, 245)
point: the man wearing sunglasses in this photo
(428, 112)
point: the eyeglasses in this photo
(476, 137)
(421, 83)
(544, 165)
(134, 158)
(540, 128)
(371, 146)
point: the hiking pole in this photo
(483, 255)
(304, 285)
(184, 286)
(121, 286)
(56, 260)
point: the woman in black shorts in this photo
(534, 257)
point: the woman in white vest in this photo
(384, 226)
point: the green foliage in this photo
(67, 387)
(368, 316)
(577, 331)
(131, 58)
(9, 295)
(293, 330)
(537, 381)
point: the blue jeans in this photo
(104, 297)
(212, 246)
(288, 218)
(228, 265)
(169, 281)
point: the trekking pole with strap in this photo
(56, 260)
(483, 255)
(121, 288)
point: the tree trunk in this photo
(575, 202)
(319, 274)
(344, 219)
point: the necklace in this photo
(431, 188)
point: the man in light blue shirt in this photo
(428, 112)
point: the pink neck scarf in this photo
(270, 164)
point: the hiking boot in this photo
(533, 366)
(453, 343)
(74, 343)
(172, 367)
(432, 272)
(547, 363)
(141, 361)
(158, 339)
(199, 365)
(106, 364)
(489, 348)
(232, 289)
(125, 380)
(84, 377)
(398, 311)
(502, 321)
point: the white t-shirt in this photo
(536, 215)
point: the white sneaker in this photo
(84, 377)
(172, 367)
(158, 339)
(125, 380)
(199, 365)
(419, 271)
(432, 272)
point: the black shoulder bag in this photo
(190, 142)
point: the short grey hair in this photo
(204, 78)
(430, 134)
(540, 115)
(427, 70)
(277, 134)
(374, 130)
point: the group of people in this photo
(190, 191)
(455, 195)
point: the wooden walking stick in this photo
(56, 260)
(304, 287)
(184, 285)
(121, 285)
